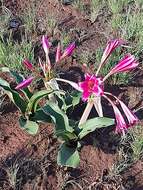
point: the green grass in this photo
(29, 16)
(78, 4)
(86, 57)
(117, 6)
(12, 54)
(127, 22)
(130, 150)
(136, 144)
(32, 20)
(65, 39)
(4, 18)
(96, 5)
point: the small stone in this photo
(14, 23)
(67, 2)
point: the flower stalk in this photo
(86, 112)
(98, 106)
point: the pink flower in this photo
(91, 85)
(121, 125)
(45, 44)
(127, 63)
(132, 119)
(24, 83)
(28, 64)
(58, 53)
(112, 44)
(68, 51)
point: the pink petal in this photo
(83, 85)
(88, 76)
(132, 119)
(91, 85)
(121, 125)
(28, 64)
(45, 44)
(68, 51)
(58, 53)
(127, 63)
(42, 66)
(99, 92)
(85, 95)
(24, 83)
(111, 46)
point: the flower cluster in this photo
(92, 88)
(46, 67)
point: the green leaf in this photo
(19, 78)
(41, 116)
(30, 127)
(66, 136)
(68, 156)
(59, 117)
(93, 124)
(14, 96)
(22, 121)
(34, 100)
(67, 100)
(76, 96)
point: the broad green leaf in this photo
(22, 121)
(67, 100)
(34, 100)
(30, 127)
(14, 96)
(19, 78)
(75, 96)
(41, 116)
(66, 136)
(93, 124)
(59, 117)
(68, 156)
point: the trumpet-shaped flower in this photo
(132, 119)
(111, 46)
(24, 83)
(45, 44)
(91, 85)
(68, 51)
(28, 64)
(127, 63)
(121, 125)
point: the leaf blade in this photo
(93, 124)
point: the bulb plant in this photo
(92, 88)
(58, 103)
(28, 101)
